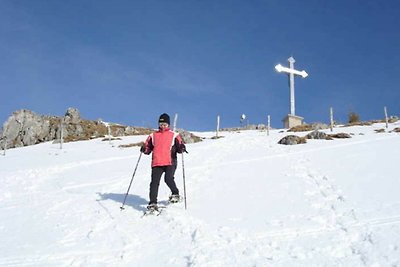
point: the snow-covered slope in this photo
(250, 202)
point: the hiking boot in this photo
(152, 207)
(174, 198)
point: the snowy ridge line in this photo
(286, 154)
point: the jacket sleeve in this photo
(179, 145)
(147, 147)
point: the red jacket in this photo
(164, 144)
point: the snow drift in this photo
(251, 202)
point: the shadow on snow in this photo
(134, 201)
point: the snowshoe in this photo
(174, 198)
(152, 209)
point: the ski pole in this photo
(184, 182)
(122, 207)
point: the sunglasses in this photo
(163, 124)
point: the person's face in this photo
(163, 125)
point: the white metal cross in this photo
(291, 72)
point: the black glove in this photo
(142, 149)
(182, 148)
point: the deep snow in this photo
(251, 202)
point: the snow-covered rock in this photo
(317, 135)
(292, 140)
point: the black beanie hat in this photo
(164, 118)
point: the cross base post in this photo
(291, 121)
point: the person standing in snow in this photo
(164, 144)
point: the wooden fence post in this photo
(61, 133)
(4, 139)
(386, 117)
(218, 121)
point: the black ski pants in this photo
(156, 173)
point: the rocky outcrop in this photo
(24, 128)
(295, 140)
(292, 140)
(340, 135)
(188, 137)
(316, 135)
(72, 116)
(321, 135)
(309, 127)
(247, 127)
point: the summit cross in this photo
(291, 73)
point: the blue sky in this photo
(129, 61)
